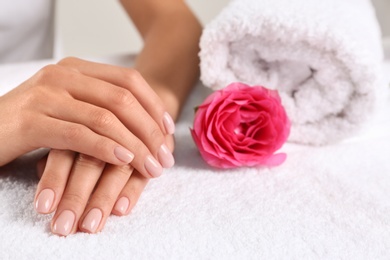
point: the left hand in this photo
(86, 190)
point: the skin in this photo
(44, 111)
(84, 182)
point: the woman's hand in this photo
(83, 191)
(169, 62)
(103, 111)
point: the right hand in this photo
(84, 191)
(104, 111)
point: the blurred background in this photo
(98, 28)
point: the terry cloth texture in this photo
(323, 56)
(326, 202)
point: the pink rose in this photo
(241, 126)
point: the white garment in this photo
(26, 30)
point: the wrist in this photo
(169, 98)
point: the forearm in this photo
(169, 59)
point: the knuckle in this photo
(123, 97)
(68, 61)
(156, 135)
(131, 75)
(104, 198)
(55, 179)
(85, 160)
(51, 179)
(103, 119)
(74, 198)
(46, 73)
(124, 171)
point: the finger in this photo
(63, 135)
(52, 184)
(81, 182)
(41, 164)
(128, 110)
(131, 80)
(103, 121)
(170, 141)
(104, 197)
(130, 194)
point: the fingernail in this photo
(165, 157)
(92, 220)
(152, 166)
(168, 123)
(64, 223)
(44, 201)
(123, 154)
(122, 205)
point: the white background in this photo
(96, 28)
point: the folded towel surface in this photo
(323, 56)
(329, 202)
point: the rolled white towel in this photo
(324, 57)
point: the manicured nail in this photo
(123, 154)
(122, 205)
(168, 123)
(64, 223)
(153, 167)
(165, 157)
(44, 201)
(92, 220)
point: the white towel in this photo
(323, 57)
(328, 202)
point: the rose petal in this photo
(241, 126)
(276, 159)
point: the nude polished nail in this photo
(122, 205)
(153, 167)
(169, 124)
(92, 220)
(123, 154)
(165, 157)
(64, 223)
(44, 201)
